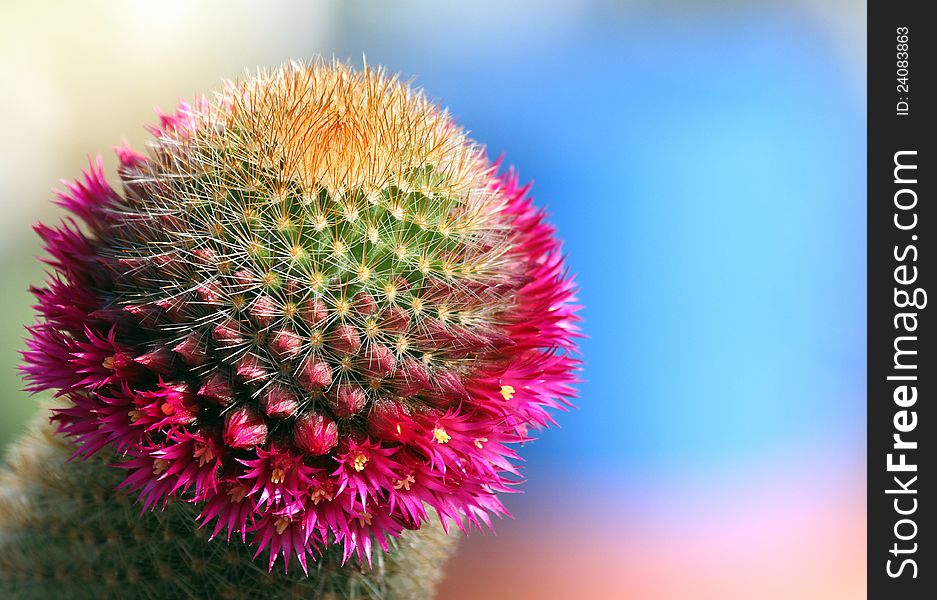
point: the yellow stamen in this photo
(365, 519)
(277, 476)
(237, 492)
(360, 462)
(404, 483)
(507, 391)
(203, 453)
(160, 465)
(479, 442)
(108, 363)
(440, 435)
(281, 524)
(320, 494)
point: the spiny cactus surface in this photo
(313, 308)
(66, 533)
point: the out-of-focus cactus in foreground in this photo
(67, 533)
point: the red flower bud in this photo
(364, 304)
(395, 319)
(174, 307)
(210, 293)
(192, 350)
(145, 314)
(315, 375)
(218, 389)
(159, 360)
(228, 333)
(433, 334)
(279, 402)
(286, 344)
(314, 312)
(245, 278)
(411, 378)
(390, 419)
(243, 428)
(347, 399)
(205, 256)
(346, 339)
(377, 361)
(449, 386)
(250, 368)
(264, 310)
(315, 433)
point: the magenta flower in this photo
(314, 308)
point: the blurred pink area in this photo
(782, 535)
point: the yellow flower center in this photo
(277, 476)
(360, 462)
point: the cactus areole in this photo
(313, 308)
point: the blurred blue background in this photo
(704, 163)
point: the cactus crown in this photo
(314, 308)
(313, 233)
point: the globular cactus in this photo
(67, 533)
(314, 309)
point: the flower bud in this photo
(279, 402)
(217, 389)
(264, 310)
(315, 375)
(377, 361)
(314, 312)
(315, 433)
(347, 399)
(364, 304)
(286, 344)
(346, 339)
(243, 428)
(250, 368)
(228, 333)
(158, 360)
(411, 378)
(192, 350)
(390, 419)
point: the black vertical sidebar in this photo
(902, 367)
